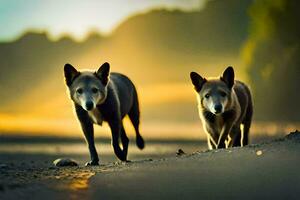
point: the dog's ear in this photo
(103, 73)
(70, 73)
(228, 77)
(197, 81)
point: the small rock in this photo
(180, 152)
(259, 153)
(294, 136)
(64, 162)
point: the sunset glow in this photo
(155, 43)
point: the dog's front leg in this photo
(88, 131)
(212, 140)
(223, 136)
(116, 126)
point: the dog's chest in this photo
(212, 122)
(96, 116)
(219, 123)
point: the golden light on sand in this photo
(74, 181)
(81, 181)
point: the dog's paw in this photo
(140, 142)
(92, 163)
(122, 156)
(221, 146)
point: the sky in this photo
(76, 17)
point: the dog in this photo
(103, 96)
(225, 109)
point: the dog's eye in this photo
(79, 91)
(95, 90)
(223, 94)
(207, 96)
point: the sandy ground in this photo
(260, 171)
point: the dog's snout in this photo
(218, 108)
(89, 105)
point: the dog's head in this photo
(214, 94)
(87, 89)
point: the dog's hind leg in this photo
(134, 116)
(247, 124)
(247, 120)
(246, 129)
(124, 140)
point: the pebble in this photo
(294, 136)
(259, 153)
(64, 162)
(180, 152)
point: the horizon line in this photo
(93, 30)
